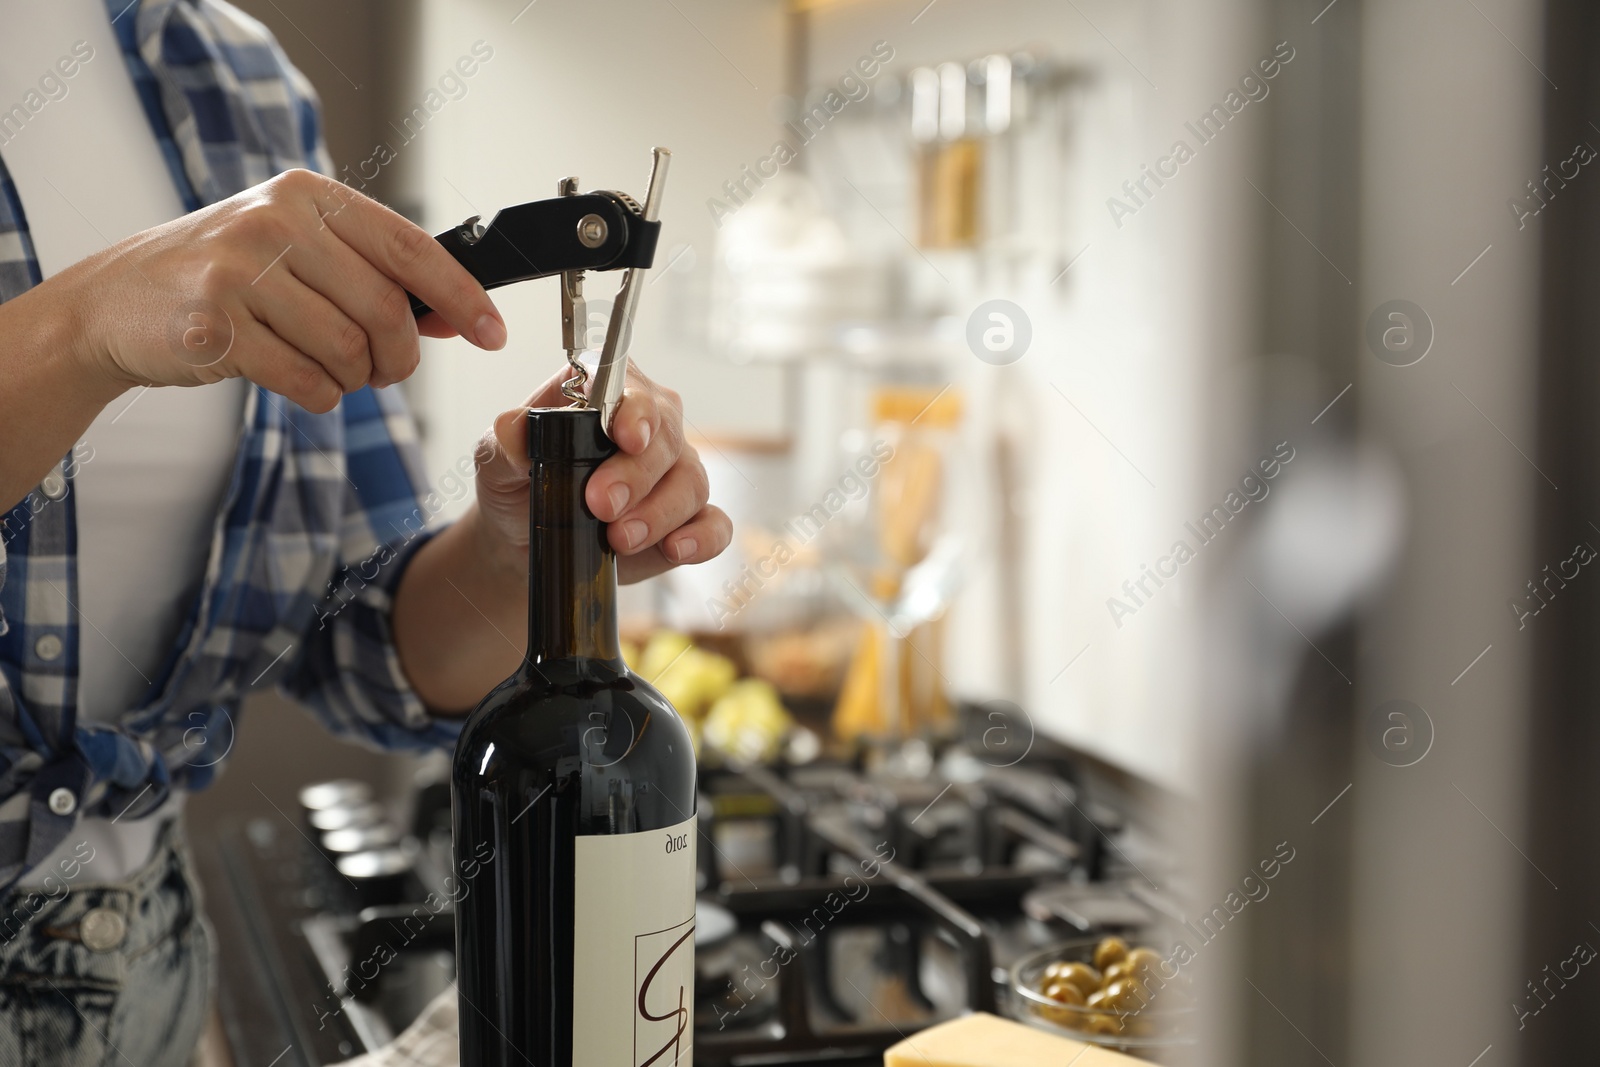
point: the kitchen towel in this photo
(431, 1041)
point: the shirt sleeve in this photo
(346, 667)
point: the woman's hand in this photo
(298, 284)
(652, 493)
(461, 611)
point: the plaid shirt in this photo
(319, 521)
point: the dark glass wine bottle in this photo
(574, 799)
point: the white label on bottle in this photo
(633, 949)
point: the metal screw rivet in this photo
(592, 231)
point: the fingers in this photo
(509, 437)
(640, 415)
(431, 325)
(703, 537)
(676, 499)
(408, 254)
(654, 502)
(509, 432)
(647, 428)
(505, 443)
(661, 504)
(376, 303)
(313, 326)
(549, 395)
(268, 360)
(655, 435)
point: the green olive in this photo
(1142, 961)
(1109, 951)
(1067, 1017)
(1115, 973)
(1063, 992)
(1102, 1024)
(1125, 996)
(1085, 977)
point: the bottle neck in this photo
(572, 570)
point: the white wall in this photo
(1111, 406)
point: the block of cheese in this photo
(984, 1040)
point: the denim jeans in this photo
(106, 974)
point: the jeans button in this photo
(102, 929)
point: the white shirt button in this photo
(54, 485)
(48, 647)
(62, 801)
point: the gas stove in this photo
(840, 909)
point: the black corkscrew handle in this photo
(593, 231)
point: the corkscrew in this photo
(574, 319)
(610, 372)
(568, 235)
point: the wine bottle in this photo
(573, 789)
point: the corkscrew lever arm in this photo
(612, 370)
(593, 231)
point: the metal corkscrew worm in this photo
(574, 319)
(569, 235)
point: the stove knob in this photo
(353, 839)
(432, 811)
(341, 792)
(381, 876)
(341, 816)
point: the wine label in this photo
(633, 949)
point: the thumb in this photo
(549, 394)
(504, 448)
(502, 454)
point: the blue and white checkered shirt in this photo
(320, 519)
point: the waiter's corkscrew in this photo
(568, 235)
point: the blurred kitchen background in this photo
(978, 346)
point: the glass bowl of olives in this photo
(1106, 991)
